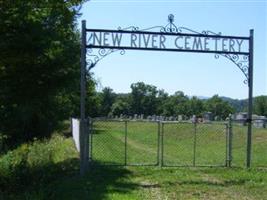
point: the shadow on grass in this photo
(209, 183)
(62, 181)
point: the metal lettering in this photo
(216, 43)
(206, 43)
(98, 39)
(186, 43)
(106, 39)
(239, 44)
(154, 40)
(231, 45)
(197, 43)
(137, 40)
(176, 42)
(162, 40)
(224, 44)
(146, 40)
(133, 40)
(116, 39)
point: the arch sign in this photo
(98, 43)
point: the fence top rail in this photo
(104, 119)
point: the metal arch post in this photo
(250, 99)
(83, 125)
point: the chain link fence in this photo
(165, 143)
(121, 142)
(239, 147)
(194, 144)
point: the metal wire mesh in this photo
(211, 144)
(259, 147)
(239, 145)
(124, 142)
(177, 144)
(194, 144)
(108, 142)
(142, 143)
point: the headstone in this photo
(260, 122)
(207, 116)
(194, 119)
(180, 117)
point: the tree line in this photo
(148, 100)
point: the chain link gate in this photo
(152, 143)
(194, 144)
(162, 143)
(124, 142)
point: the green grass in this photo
(49, 169)
(182, 146)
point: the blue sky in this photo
(194, 74)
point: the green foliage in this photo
(195, 107)
(148, 100)
(107, 98)
(260, 105)
(143, 98)
(39, 66)
(120, 106)
(176, 104)
(218, 107)
(33, 165)
(93, 101)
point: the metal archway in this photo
(89, 58)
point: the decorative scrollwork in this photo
(94, 57)
(242, 62)
(169, 28)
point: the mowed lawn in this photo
(131, 182)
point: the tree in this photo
(195, 107)
(120, 106)
(162, 97)
(176, 104)
(260, 105)
(107, 98)
(218, 107)
(39, 65)
(143, 98)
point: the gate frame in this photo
(169, 30)
(125, 129)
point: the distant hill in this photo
(239, 105)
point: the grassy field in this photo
(49, 169)
(183, 144)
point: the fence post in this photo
(195, 143)
(87, 142)
(83, 134)
(230, 138)
(158, 159)
(162, 145)
(91, 123)
(125, 142)
(227, 142)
